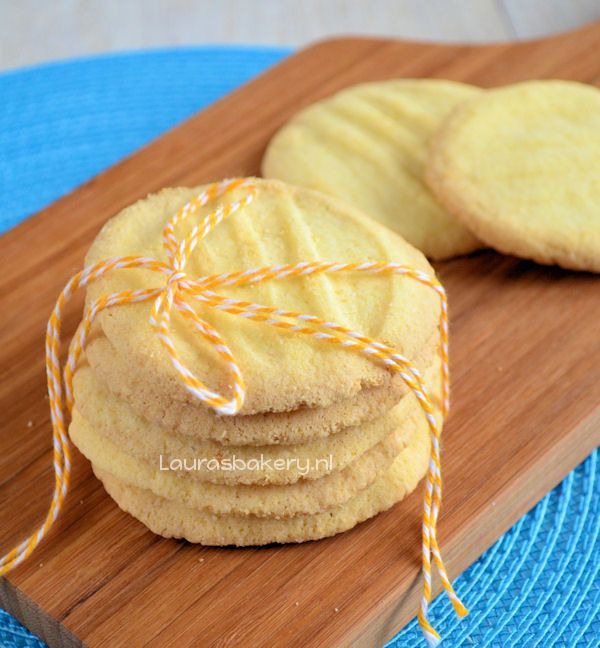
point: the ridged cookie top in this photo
(520, 165)
(282, 370)
(368, 145)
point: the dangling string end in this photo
(429, 632)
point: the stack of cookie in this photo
(326, 437)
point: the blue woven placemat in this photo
(62, 123)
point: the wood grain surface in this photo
(526, 390)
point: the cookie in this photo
(368, 145)
(300, 498)
(173, 520)
(113, 419)
(519, 166)
(283, 370)
(302, 425)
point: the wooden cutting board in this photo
(526, 393)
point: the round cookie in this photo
(300, 498)
(114, 420)
(519, 165)
(173, 520)
(282, 369)
(301, 425)
(368, 145)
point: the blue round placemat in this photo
(62, 123)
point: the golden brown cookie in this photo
(519, 165)
(367, 145)
(282, 369)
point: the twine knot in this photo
(177, 293)
(175, 278)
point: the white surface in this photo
(40, 30)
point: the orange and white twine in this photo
(172, 296)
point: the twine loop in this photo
(175, 296)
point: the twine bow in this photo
(172, 296)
